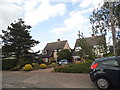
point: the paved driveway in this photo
(45, 79)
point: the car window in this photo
(110, 62)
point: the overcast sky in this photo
(50, 19)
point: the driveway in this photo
(45, 79)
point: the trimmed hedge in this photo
(8, 64)
(83, 67)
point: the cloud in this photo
(43, 12)
(39, 46)
(76, 21)
(9, 13)
(32, 11)
(90, 3)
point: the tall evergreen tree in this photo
(17, 40)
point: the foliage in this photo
(100, 18)
(64, 54)
(43, 66)
(35, 65)
(53, 64)
(17, 41)
(83, 67)
(8, 64)
(16, 68)
(118, 48)
(40, 60)
(86, 51)
(27, 67)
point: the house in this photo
(95, 41)
(49, 53)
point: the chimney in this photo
(58, 39)
(93, 35)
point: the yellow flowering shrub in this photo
(53, 63)
(33, 64)
(27, 67)
(43, 66)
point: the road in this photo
(45, 79)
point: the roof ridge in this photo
(57, 41)
(90, 37)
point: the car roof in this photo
(107, 58)
(64, 60)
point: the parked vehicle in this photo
(105, 72)
(63, 62)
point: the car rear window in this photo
(110, 62)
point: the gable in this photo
(92, 41)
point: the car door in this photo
(112, 70)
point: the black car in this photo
(105, 72)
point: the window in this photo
(110, 62)
(77, 49)
(44, 52)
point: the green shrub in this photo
(16, 68)
(27, 67)
(22, 63)
(35, 65)
(53, 64)
(8, 64)
(43, 66)
(83, 67)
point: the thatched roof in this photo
(92, 41)
(50, 47)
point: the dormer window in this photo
(55, 50)
(77, 49)
(44, 52)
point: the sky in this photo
(50, 19)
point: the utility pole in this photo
(113, 27)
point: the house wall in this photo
(55, 52)
(46, 59)
(67, 46)
(55, 55)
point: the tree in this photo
(64, 54)
(118, 48)
(100, 18)
(17, 41)
(86, 50)
(105, 18)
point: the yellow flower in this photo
(27, 67)
(43, 66)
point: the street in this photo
(45, 79)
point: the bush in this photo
(53, 64)
(22, 63)
(43, 66)
(83, 67)
(40, 61)
(27, 67)
(16, 68)
(35, 65)
(8, 64)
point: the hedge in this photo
(83, 67)
(8, 64)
